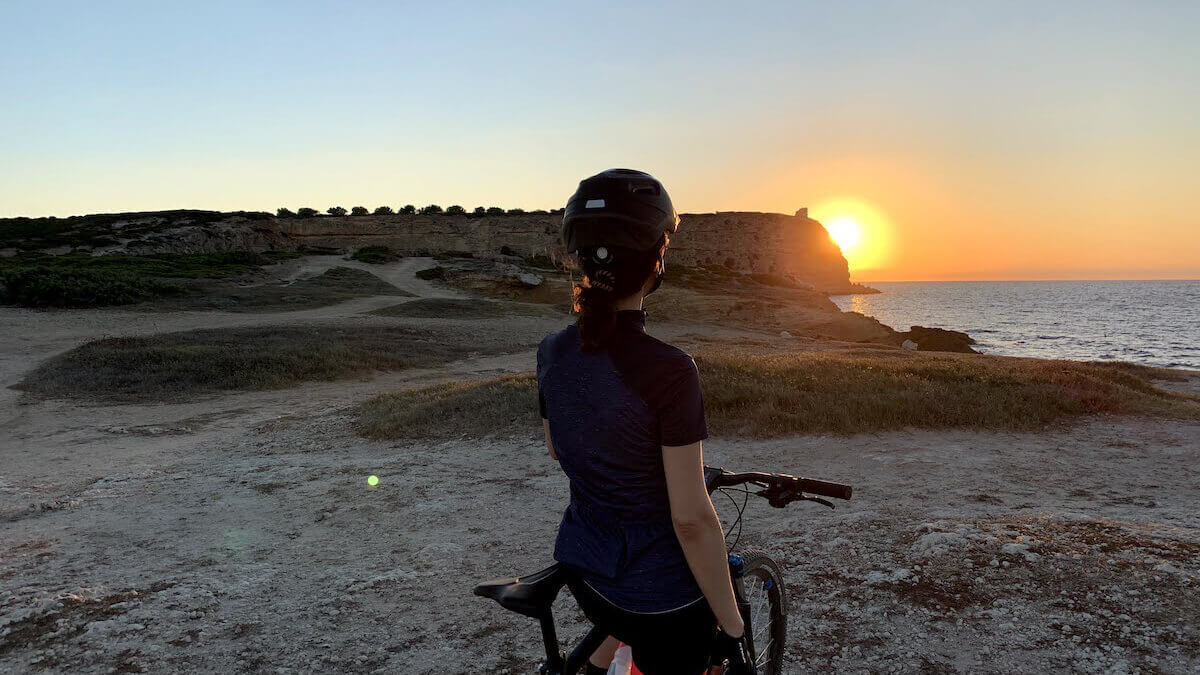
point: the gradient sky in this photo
(995, 140)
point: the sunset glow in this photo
(859, 229)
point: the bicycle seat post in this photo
(554, 659)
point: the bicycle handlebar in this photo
(716, 478)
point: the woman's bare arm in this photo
(699, 532)
(549, 443)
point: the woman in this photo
(623, 415)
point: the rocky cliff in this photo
(762, 243)
(796, 246)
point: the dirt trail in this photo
(238, 533)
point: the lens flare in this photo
(372, 480)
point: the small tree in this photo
(384, 211)
(283, 212)
(336, 211)
(306, 212)
(408, 208)
(479, 211)
(516, 212)
(539, 212)
(455, 210)
(359, 211)
(495, 211)
(430, 210)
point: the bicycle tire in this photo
(763, 580)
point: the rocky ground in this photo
(239, 534)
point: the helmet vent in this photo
(644, 189)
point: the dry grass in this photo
(456, 308)
(463, 408)
(856, 391)
(186, 365)
(842, 392)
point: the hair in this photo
(595, 298)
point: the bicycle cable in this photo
(739, 521)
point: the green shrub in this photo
(430, 210)
(437, 272)
(384, 211)
(479, 211)
(455, 210)
(494, 211)
(359, 211)
(336, 211)
(376, 255)
(408, 209)
(48, 287)
(305, 212)
(284, 212)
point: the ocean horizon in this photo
(1151, 322)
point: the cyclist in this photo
(623, 415)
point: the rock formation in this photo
(796, 247)
(759, 243)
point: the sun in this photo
(862, 231)
(845, 232)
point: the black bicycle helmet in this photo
(619, 208)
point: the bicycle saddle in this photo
(530, 595)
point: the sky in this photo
(978, 140)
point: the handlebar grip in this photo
(825, 488)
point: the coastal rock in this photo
(937, 340)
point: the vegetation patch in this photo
(336, 284)
(375, 255)
(36, 280)
(839, 392)
(37, 286)
(455, 308)
(181, 366)
(474, 409)
(832, 392)
(429, 274)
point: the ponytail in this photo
(604, 284)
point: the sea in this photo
(1155, 323)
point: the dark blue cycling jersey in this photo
(610, 413)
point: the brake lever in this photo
(818, 500)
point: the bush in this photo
(48, 287)
(306, 212)
(283, 212)
(359, 211)
(408, 209)
(430, 210)
(516, 212)
(384, 211)
(495, 211)
(182, 366)
(479, 211)
(336, 211)
(376, 255)
(455, 210)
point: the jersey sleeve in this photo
(681, 412)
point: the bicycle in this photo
(534, 594)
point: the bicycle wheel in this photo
(761, 586)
